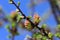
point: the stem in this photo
(12, 37)
(32, 7)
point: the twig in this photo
(32, 7)
(29, 19)
(24, 15)
(13, 37)
(19, 9)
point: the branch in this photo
(53, 6)
(29, 19)
(19, 9)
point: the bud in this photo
(7, 26)
(57, 35)
(44, 38)
(59, 18)
(37, 36)
(17, 10)
(50, 35)
(44, 26)
(13, 24)
(29, 17)
(18, 3)
(36, 18)
(13, 14)
(19, 18)
(10, 1)
(58, 26)
(9, 36)
(28, 25)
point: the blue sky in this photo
(40, 9)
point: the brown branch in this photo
(53, 6)
(29, 19)
(19, 9)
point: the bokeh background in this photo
(41, 8)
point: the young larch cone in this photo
(13, 14)
(36, 18)
(28, 25)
